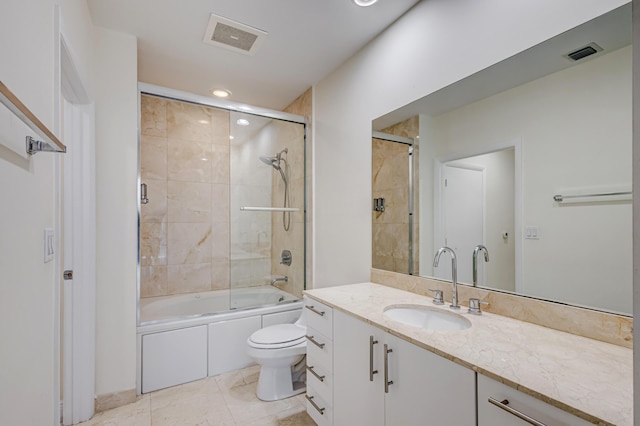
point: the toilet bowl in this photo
(280, 350)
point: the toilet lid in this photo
(278, 336)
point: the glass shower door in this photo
(267, 177)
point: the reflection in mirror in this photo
(496, 147)
(394, 188)
(475, 200)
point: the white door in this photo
(463, 219)
(78, 353)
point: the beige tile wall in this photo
(185, 226)
(303, 106)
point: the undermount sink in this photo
(427, 318)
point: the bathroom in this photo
(344, 105)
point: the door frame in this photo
(74, 328)
(439, 161)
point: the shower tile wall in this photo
(389, 179)
(185, 225)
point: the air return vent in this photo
(583, 52)
(233, 35)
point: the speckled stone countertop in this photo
(588, 378)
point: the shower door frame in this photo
(178, 95)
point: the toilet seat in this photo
(278, 336)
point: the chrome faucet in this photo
(279, 280)
(454, 274)
(477, 249)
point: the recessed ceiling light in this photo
(231, 137)
(221, 93)
(242, 122)
(364, 3)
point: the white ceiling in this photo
(306, 41)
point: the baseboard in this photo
(108, 401)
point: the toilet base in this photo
(276, 383)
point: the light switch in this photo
(532, 233)
(48, 245)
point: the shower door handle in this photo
(143, 194)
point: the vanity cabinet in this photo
(508, 404)
(319, 319)
(380, 379)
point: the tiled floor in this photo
(228, 399)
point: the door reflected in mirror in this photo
(495, 149)
(476, 202)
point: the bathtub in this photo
(189, 337)
(163, 308)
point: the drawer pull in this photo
(387, 382)
(312, 340)
(311, 370)
(310, 399)
(371, 370)
(314, 310)
(504, 404)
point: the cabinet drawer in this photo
(492, 415)
(319, 316)
(318, 408)
(320, 380)
(319, 350)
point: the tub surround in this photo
(588, 378)
(603, 326)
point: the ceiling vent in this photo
(233, 35)
(583, 52)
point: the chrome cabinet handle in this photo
(312, 340)
(311, 370)
(504, 404)
(371, 370)
(387, 382)
(315, 311)
(310, 399)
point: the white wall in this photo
(28, 320)
(27, 306)
(419, 54)
(116, 197)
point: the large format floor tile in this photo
(228, 399)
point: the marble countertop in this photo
(589, 378)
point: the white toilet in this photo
(280, 350)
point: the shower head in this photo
(275, 160)
(270, 161)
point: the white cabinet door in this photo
(493, 415)
(427, 389)
(357, 400)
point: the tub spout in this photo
(279, 280)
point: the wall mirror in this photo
(530, 158)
